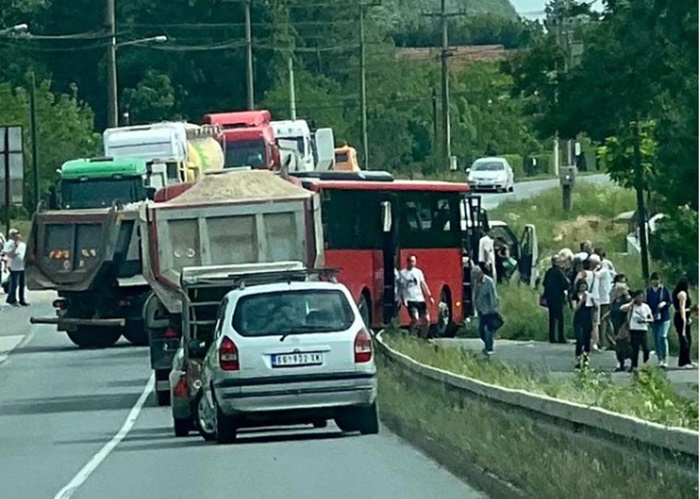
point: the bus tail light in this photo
(363, 347)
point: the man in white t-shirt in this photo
(413, 290)
(487, 255)
(15, 250)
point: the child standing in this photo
(640, 318)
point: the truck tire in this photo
(97, 337)
(137, 335)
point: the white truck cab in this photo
(313, 151)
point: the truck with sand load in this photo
(236, 217)
(89, 251)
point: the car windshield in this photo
(492, 166)
(293, 312)
(78, 194)
(245, 153)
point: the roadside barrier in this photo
(578, 418)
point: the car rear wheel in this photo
(225, 427)
(367, 420)
(203, 416)
(182, 426)
(94, 337)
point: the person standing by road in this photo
(583, 323)
(620, 320)
(15, 250)
(487, 254)
(556, 287)
(591, 267)
(640, 318)
(486, 305)
(605, 276)
(413, 289)
(681, 322)
(659, 301)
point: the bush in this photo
(516, 162)
(544, 164)
(676, 242)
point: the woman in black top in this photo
(682, 322)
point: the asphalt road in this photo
(83, 424)
(61, 409)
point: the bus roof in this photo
(102, 167)
(396, 185)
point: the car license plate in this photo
(297, 359)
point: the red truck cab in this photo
(249, 137)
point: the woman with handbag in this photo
(620, 321)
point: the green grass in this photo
(651, 395)
(537, 458)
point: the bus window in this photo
(352, 219)
(429, 220)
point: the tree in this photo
(152, 100)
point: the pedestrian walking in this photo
(682, 321)
(619, 320)
(15, 250)
(556, 287)
(486, 305)
(659, 301)
(583, 323)
(639, 321)
(414, 289)
(589, 273)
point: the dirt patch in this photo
(230, 186)
(581, 229)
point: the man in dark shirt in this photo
(659, 301)
(556, 286)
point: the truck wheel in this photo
(137, 336)
(163, 398)
(225, 428)
(97, 337)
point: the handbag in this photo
(495, 322)
(543, 301)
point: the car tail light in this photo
(170, 333)
(228, 355)
(60, 304)
(180, 390)
(363, 346)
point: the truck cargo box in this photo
(67, 250)
(234, 218)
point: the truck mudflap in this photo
(66, 324)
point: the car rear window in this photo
(292, 312)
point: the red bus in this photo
(372, 223)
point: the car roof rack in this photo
(366, 176)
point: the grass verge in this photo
(535, 457)
(651, 396)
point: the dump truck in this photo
(231, 218)
(186, 149)
(89, 252)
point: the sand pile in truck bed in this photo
(250, 184)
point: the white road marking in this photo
(87, 470)
(7, 344)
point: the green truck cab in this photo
(98, 182)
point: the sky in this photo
(535, 8)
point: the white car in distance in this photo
(288, 354)
(492, 173)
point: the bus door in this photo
(474, 222)
(390, 251)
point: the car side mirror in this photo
(197, 348)
(469, 170)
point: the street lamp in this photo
(153, 39)
(14, 30)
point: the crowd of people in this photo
(607, 315)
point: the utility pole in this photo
(433, 93)
(112, 99)
(249, 55)
(641, 211)
(35, 148)
(363, 84)
(445, 54)
(292, 92)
